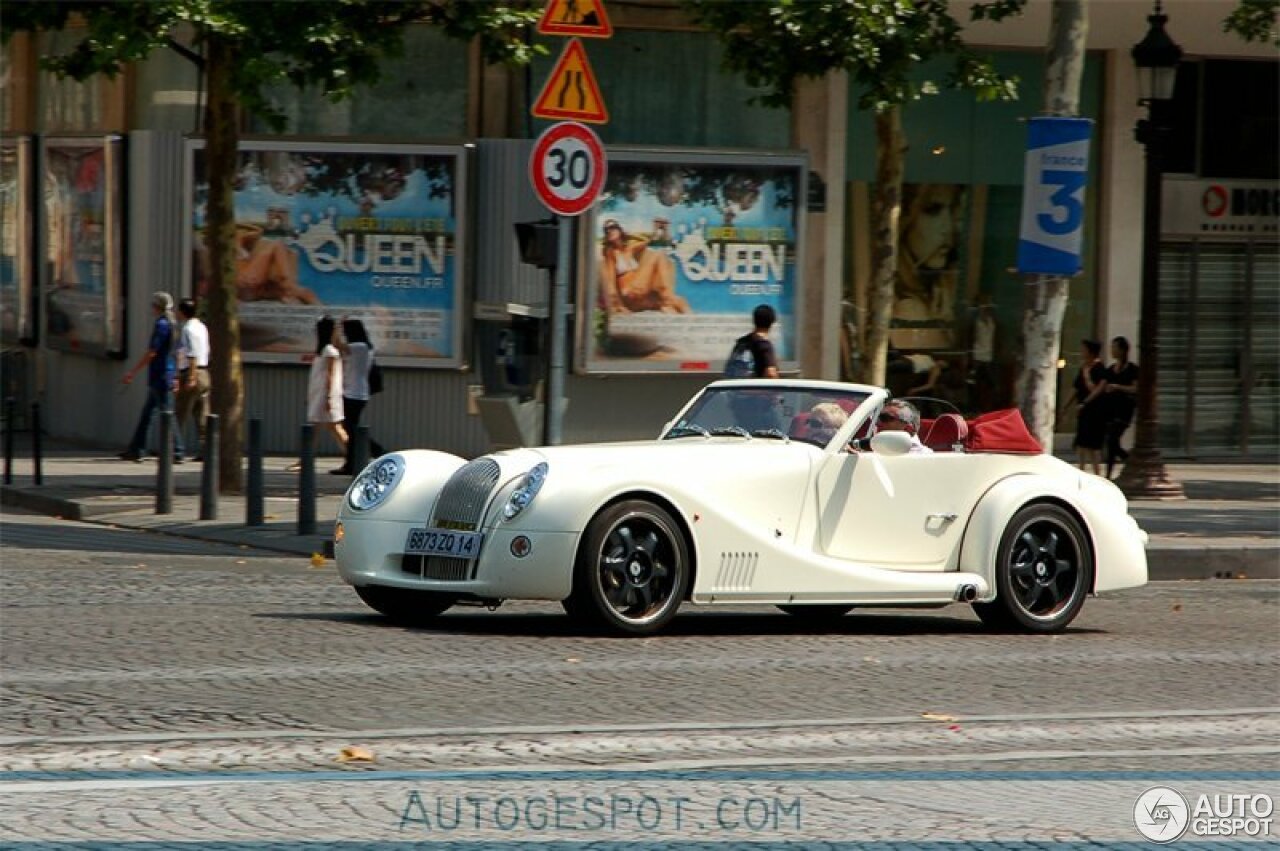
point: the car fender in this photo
(990, 518)
(424, 475)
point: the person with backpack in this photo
(357, 364)
(753, 355)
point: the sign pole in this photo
(559, 305)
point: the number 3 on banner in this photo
(1066, 197)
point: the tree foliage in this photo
(1255, 20)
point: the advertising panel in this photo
(682, 247)
(370, 232)
(1057, 170)
(82, 270)
(15, 241)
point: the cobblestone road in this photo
(155, 689)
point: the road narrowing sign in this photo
(584, 18)
(567, 168)
(571, 92)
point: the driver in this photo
(900, 415)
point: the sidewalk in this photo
(1229, 525)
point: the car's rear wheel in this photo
(1043, 573)
(405, 605)
(823, 612)
(632, 570)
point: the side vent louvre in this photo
(737, 571)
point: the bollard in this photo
(359, 449)
(36, 461)
(10, 406)
(209, 470)
(307, 482)
(164, 472)
(253, 495)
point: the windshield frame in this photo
(802, 395)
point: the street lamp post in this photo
(1156, 58)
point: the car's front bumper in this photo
(371, 552)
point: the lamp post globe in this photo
(1156, 58)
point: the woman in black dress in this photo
(1091, 420)
(1122, 398)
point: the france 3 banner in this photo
(81, 270)
(369, 232)
(15, 241)
(683, 247)
(1056, 172)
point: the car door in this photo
(905, 512)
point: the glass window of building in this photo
(957, 300)
(668, 88)
(422, 95)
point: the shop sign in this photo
(683, 246)
(367, 231)
(1220, 208)
(1057, 169)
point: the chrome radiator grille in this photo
(440, 568)
(463, 498)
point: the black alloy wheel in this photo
(1043, 574)
(633, 569)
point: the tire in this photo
(1044, 571)
(405, 605)
(632, 570)
(823, 612)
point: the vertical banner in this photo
(16, 322)
(82, 268)
(682, 247)
(1057, 169)
(370, 232)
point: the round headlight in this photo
(375, 483)
(525, 491)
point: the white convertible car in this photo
(742, 500)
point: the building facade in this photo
(102, 207)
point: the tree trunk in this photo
(226, 376)
(886, 208)
(1045, 295)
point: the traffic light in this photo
(538, 242)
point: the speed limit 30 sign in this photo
(567, 168)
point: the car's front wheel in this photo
(405, 605)
(632, 570)
(1043, 573)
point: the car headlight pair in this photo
(525, 491)
(375, 483)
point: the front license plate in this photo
(443, 542)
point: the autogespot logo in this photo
(1161, 814)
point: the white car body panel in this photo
(767, 521)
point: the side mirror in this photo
(891, 443)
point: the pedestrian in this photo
(1091, 419)
(324, 386)
(193, 372)
(357, 361)
(753, 355)
(1122, 400)
(161, 364)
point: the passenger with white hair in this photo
(160, 360)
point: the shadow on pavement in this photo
(101, 539)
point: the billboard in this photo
(16, 320)
(82, 267)
(366, 231)
(681, 248)
(1057, 170)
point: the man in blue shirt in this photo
(162, 371)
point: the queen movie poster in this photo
(683, 249)
(367, 232)
(15, 241)
(82, 265)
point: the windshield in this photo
(810, 415)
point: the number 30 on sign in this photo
(567, 168)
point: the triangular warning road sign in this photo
(584, 18)
(571, 92)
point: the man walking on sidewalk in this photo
(193, 372)
(161, 375)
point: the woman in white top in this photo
(357, 361)
(324, 388)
